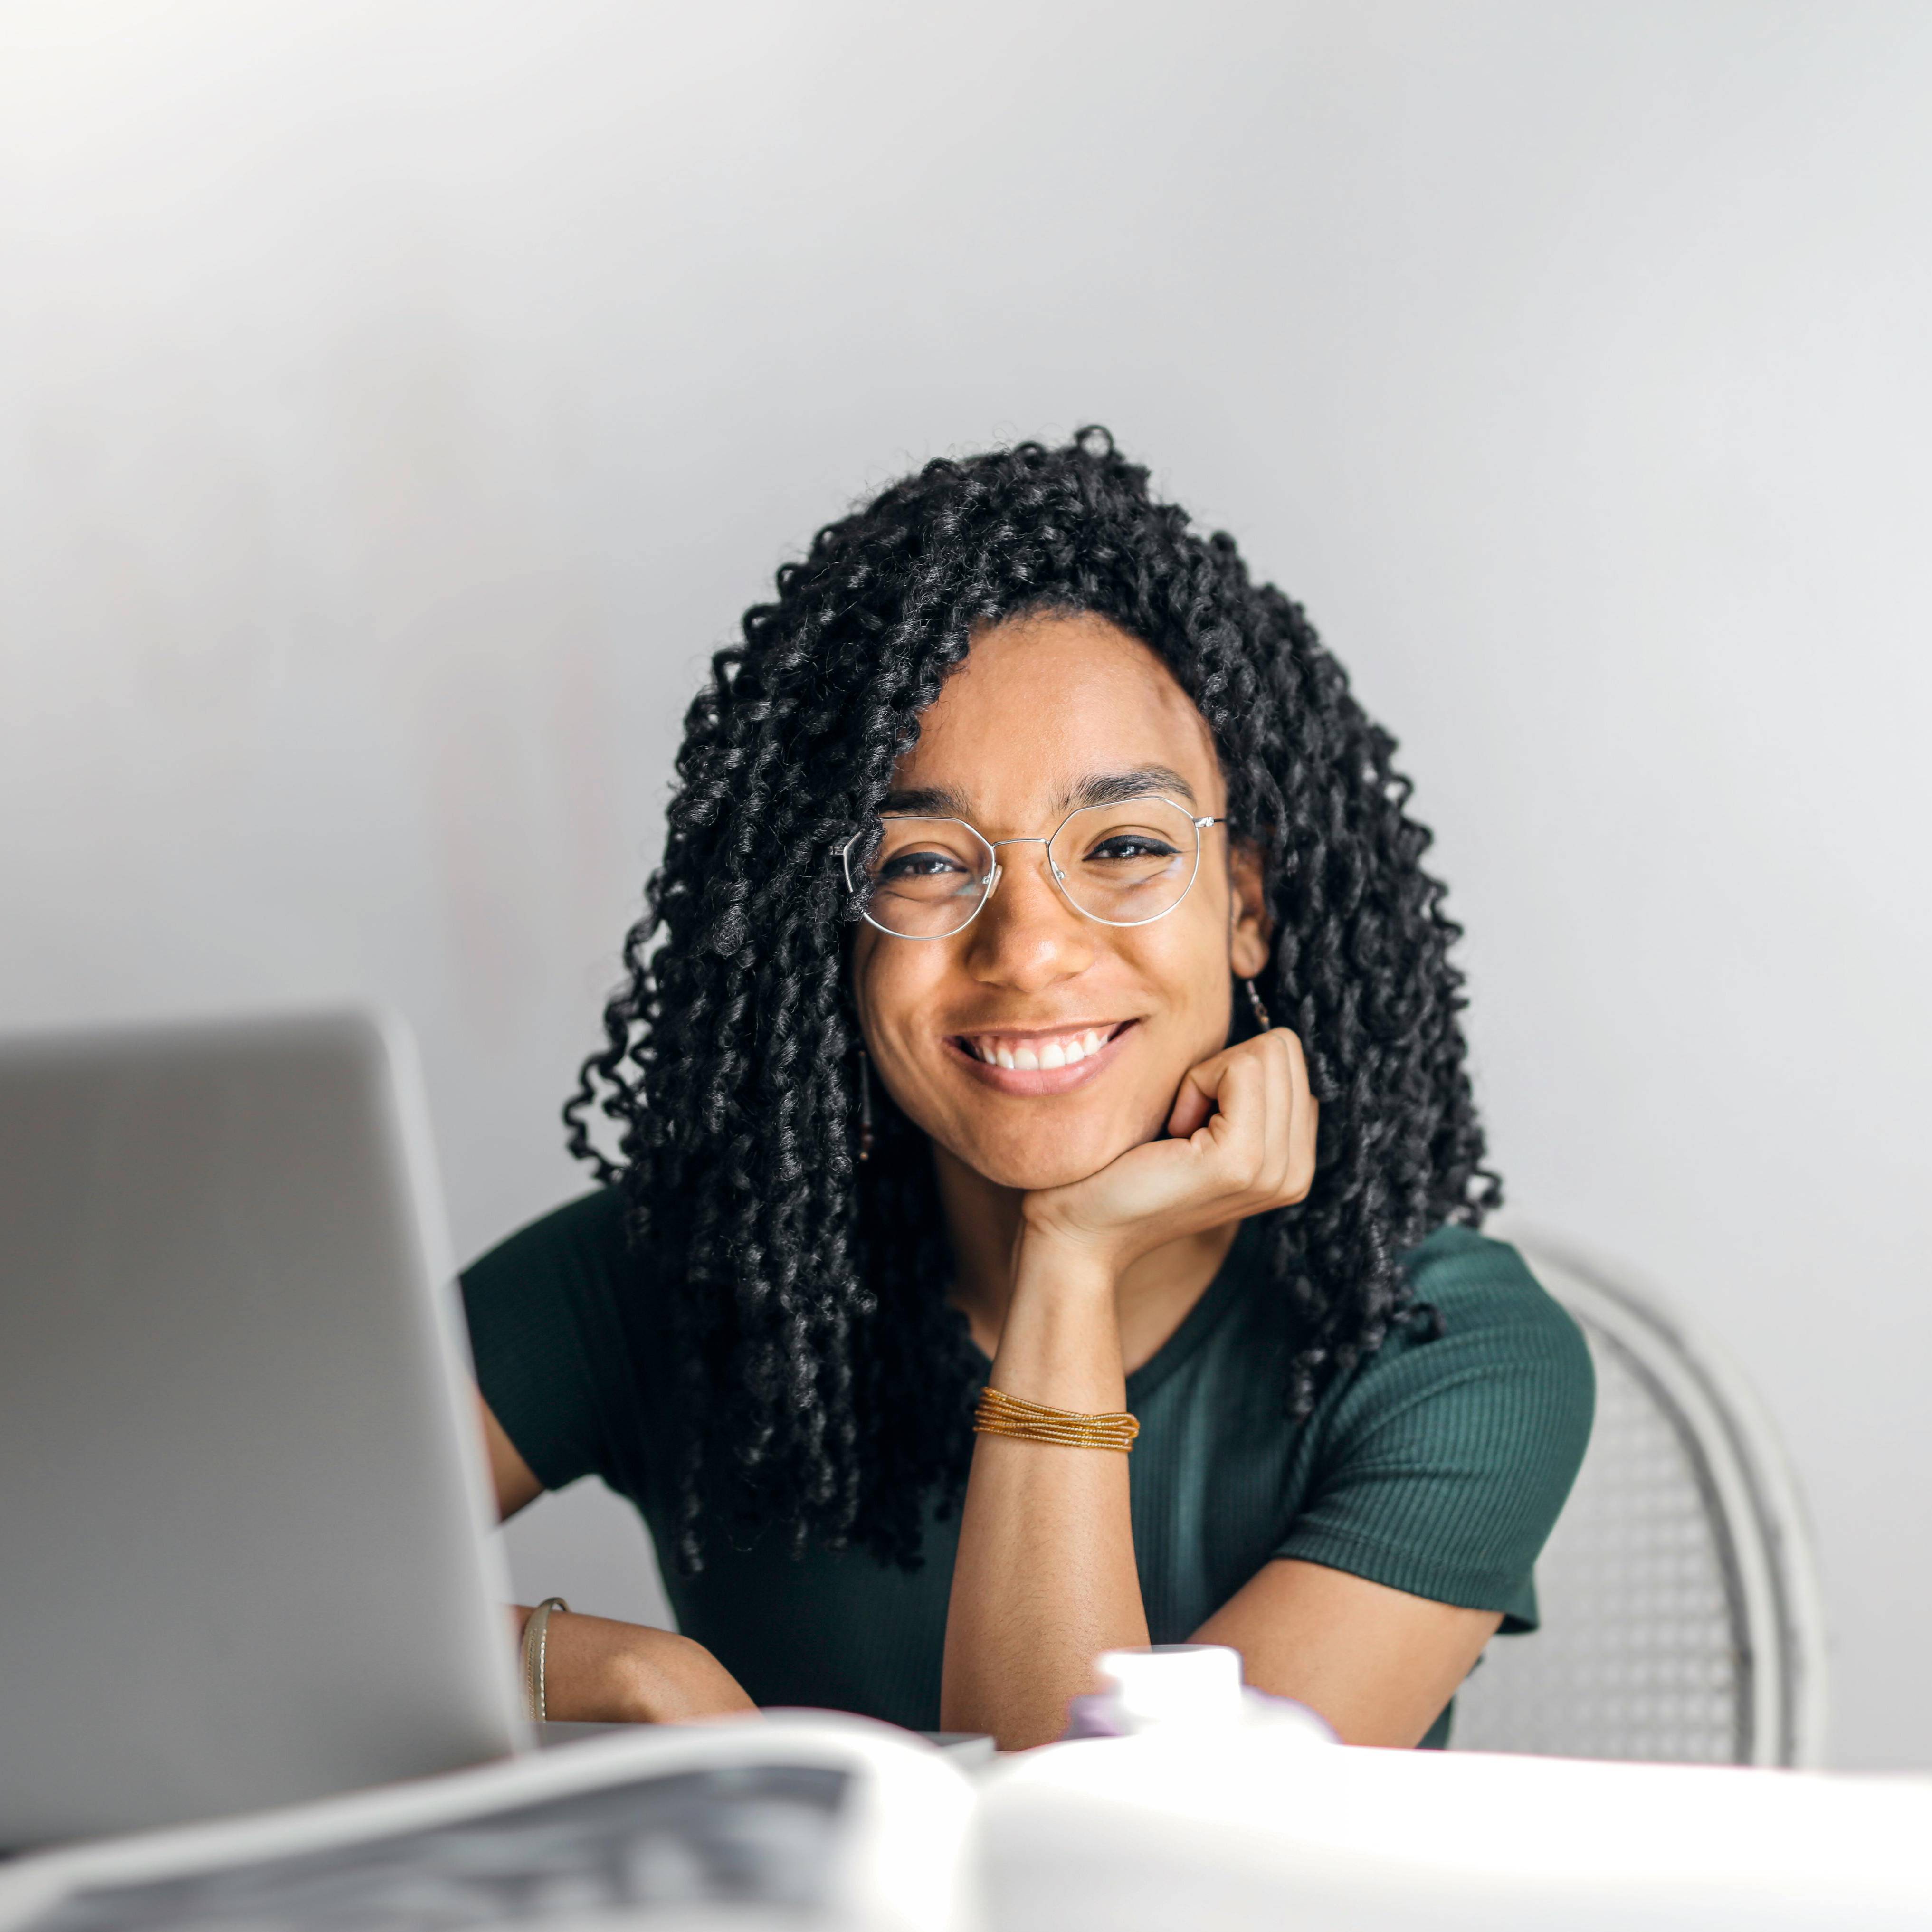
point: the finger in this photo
(1237, 1136)
(1279, 1108)
(1201, 1090)
(1303, 1129)
(1192, 1106)
(1195, 1102)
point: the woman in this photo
(1041, 993)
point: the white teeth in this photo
(1038, 1054)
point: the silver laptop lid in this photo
(242, 1507)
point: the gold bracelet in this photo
(999, 1414)
(536, 1655)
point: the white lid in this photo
(1174, 1684)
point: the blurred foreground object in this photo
(809, 1819)
(1263, 1825)
(1682, 1618)
(244, 1549)
(806, 1818)
(1197, 1686)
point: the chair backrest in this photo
(1680, 1614)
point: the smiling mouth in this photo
(1058, 1050)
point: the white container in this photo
(1181, 1689)
(1192, 1683)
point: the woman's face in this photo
(1042, 709)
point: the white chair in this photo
(1681, 1621)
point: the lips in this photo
(1046, 1061)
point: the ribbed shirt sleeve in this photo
(1447, 1461)
(530, 1302)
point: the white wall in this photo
(400, 400)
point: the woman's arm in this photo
(513, 1479)
(598, 1670)
(1045, 1578)
(1378, 1664)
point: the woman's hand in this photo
(598, 1670)
(1243, 1128)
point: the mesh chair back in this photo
(1681, 1620)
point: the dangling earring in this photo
(1262, 1019)
(865, 1106)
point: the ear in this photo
(1250, 931)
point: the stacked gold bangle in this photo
(999, 1414)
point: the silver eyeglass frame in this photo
(990, 883)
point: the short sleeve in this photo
(1444, 1462)
(532, 1304)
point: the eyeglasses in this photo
(1128, 863)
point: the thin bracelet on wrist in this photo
(999, 1414)
(536, 1643)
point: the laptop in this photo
(244, 1516)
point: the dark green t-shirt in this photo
(1437, 1467)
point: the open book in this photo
(809, 1819)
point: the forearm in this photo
(596, 1670)
(1045, 1578)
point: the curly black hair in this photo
(825, 1382)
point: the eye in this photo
(925, 865)
(1127, 845)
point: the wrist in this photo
(1060, 1341)
(1067, 1266)
(662, 1677)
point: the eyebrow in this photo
(1109, 787)
(926, 801)
(1102, 788)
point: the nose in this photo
(1027, 935)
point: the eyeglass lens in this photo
(1122, 864)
